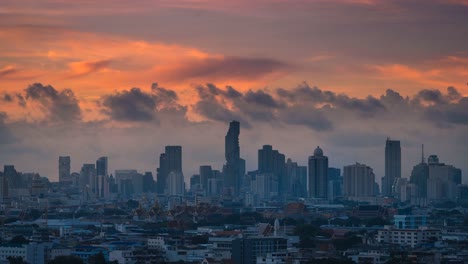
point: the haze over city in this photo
(341, 74)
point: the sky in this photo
(123, 79)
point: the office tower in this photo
(272, 162)
(175, 183)
(392, 166)
(88, 177)
(358, 181)
(206, 173)
(64, 169)
(169, 161)
(129, 182)
(442, 181)
(102, 166)
(195, 184)
(296, 179)
(264, 185)
(11, 176)
(419, 176)
(148, 182)
(233, 166)
(102, 186)
(318, 175)
(3, 187)
(335, 183)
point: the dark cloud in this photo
(140, 106)
(60, 105)
(7, 98)
(262, 98)
(132, 105)
(228, 68)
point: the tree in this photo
(19, 240)
(97, 259)
(66, 260)
(16, 260)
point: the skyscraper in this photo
(358, 181)
(318, 175)
(64, 168)
(271, 161)
(419, 176)
(169, 161)
(233, 160)
(101, 166)
(206, 173)
(392, 166)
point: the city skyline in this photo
(114, 79)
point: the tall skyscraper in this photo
(318, 175)
(169, 161)
(419, 176)
(64, 168)
(206, 173)
(392, 166)
(296, 179)
(88, 180)
(272, 162)
(102, 166)
(233, 160)
(442, 181)
(358, 181)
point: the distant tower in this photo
(318, 175)
(102, 166)
(233, 160)
(64, 168)
(392, 166)
(169, 161)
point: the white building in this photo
(407, 237)
(358, 181)
(31, 253)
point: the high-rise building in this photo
(88, 181)
(272, 162)
(206, 173)
(296, 179)
(12, 176)
(64, 168)
(392, 166)
(169, 161)
(318, 175)
(442, 181)
(102, 166)
(358, 181)
(335, 183)
(233, 166)
(419, 176)
(175, 183)
(148, 182)
(3, 187)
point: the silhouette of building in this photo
(102, 166)
(64, 169)
(335, 183)
(175, 183)
(206, 173)
(234, 165)
(419, 176)
(296, 179)
(272, 162)
(358, 181)
(318, 175)
(392, 166)
(442, 181)
(169, 161)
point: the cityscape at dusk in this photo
(200, 131)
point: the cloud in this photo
(60, 106)
(7, 70)
(224, 68)
(82, 68)
(135, 105)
